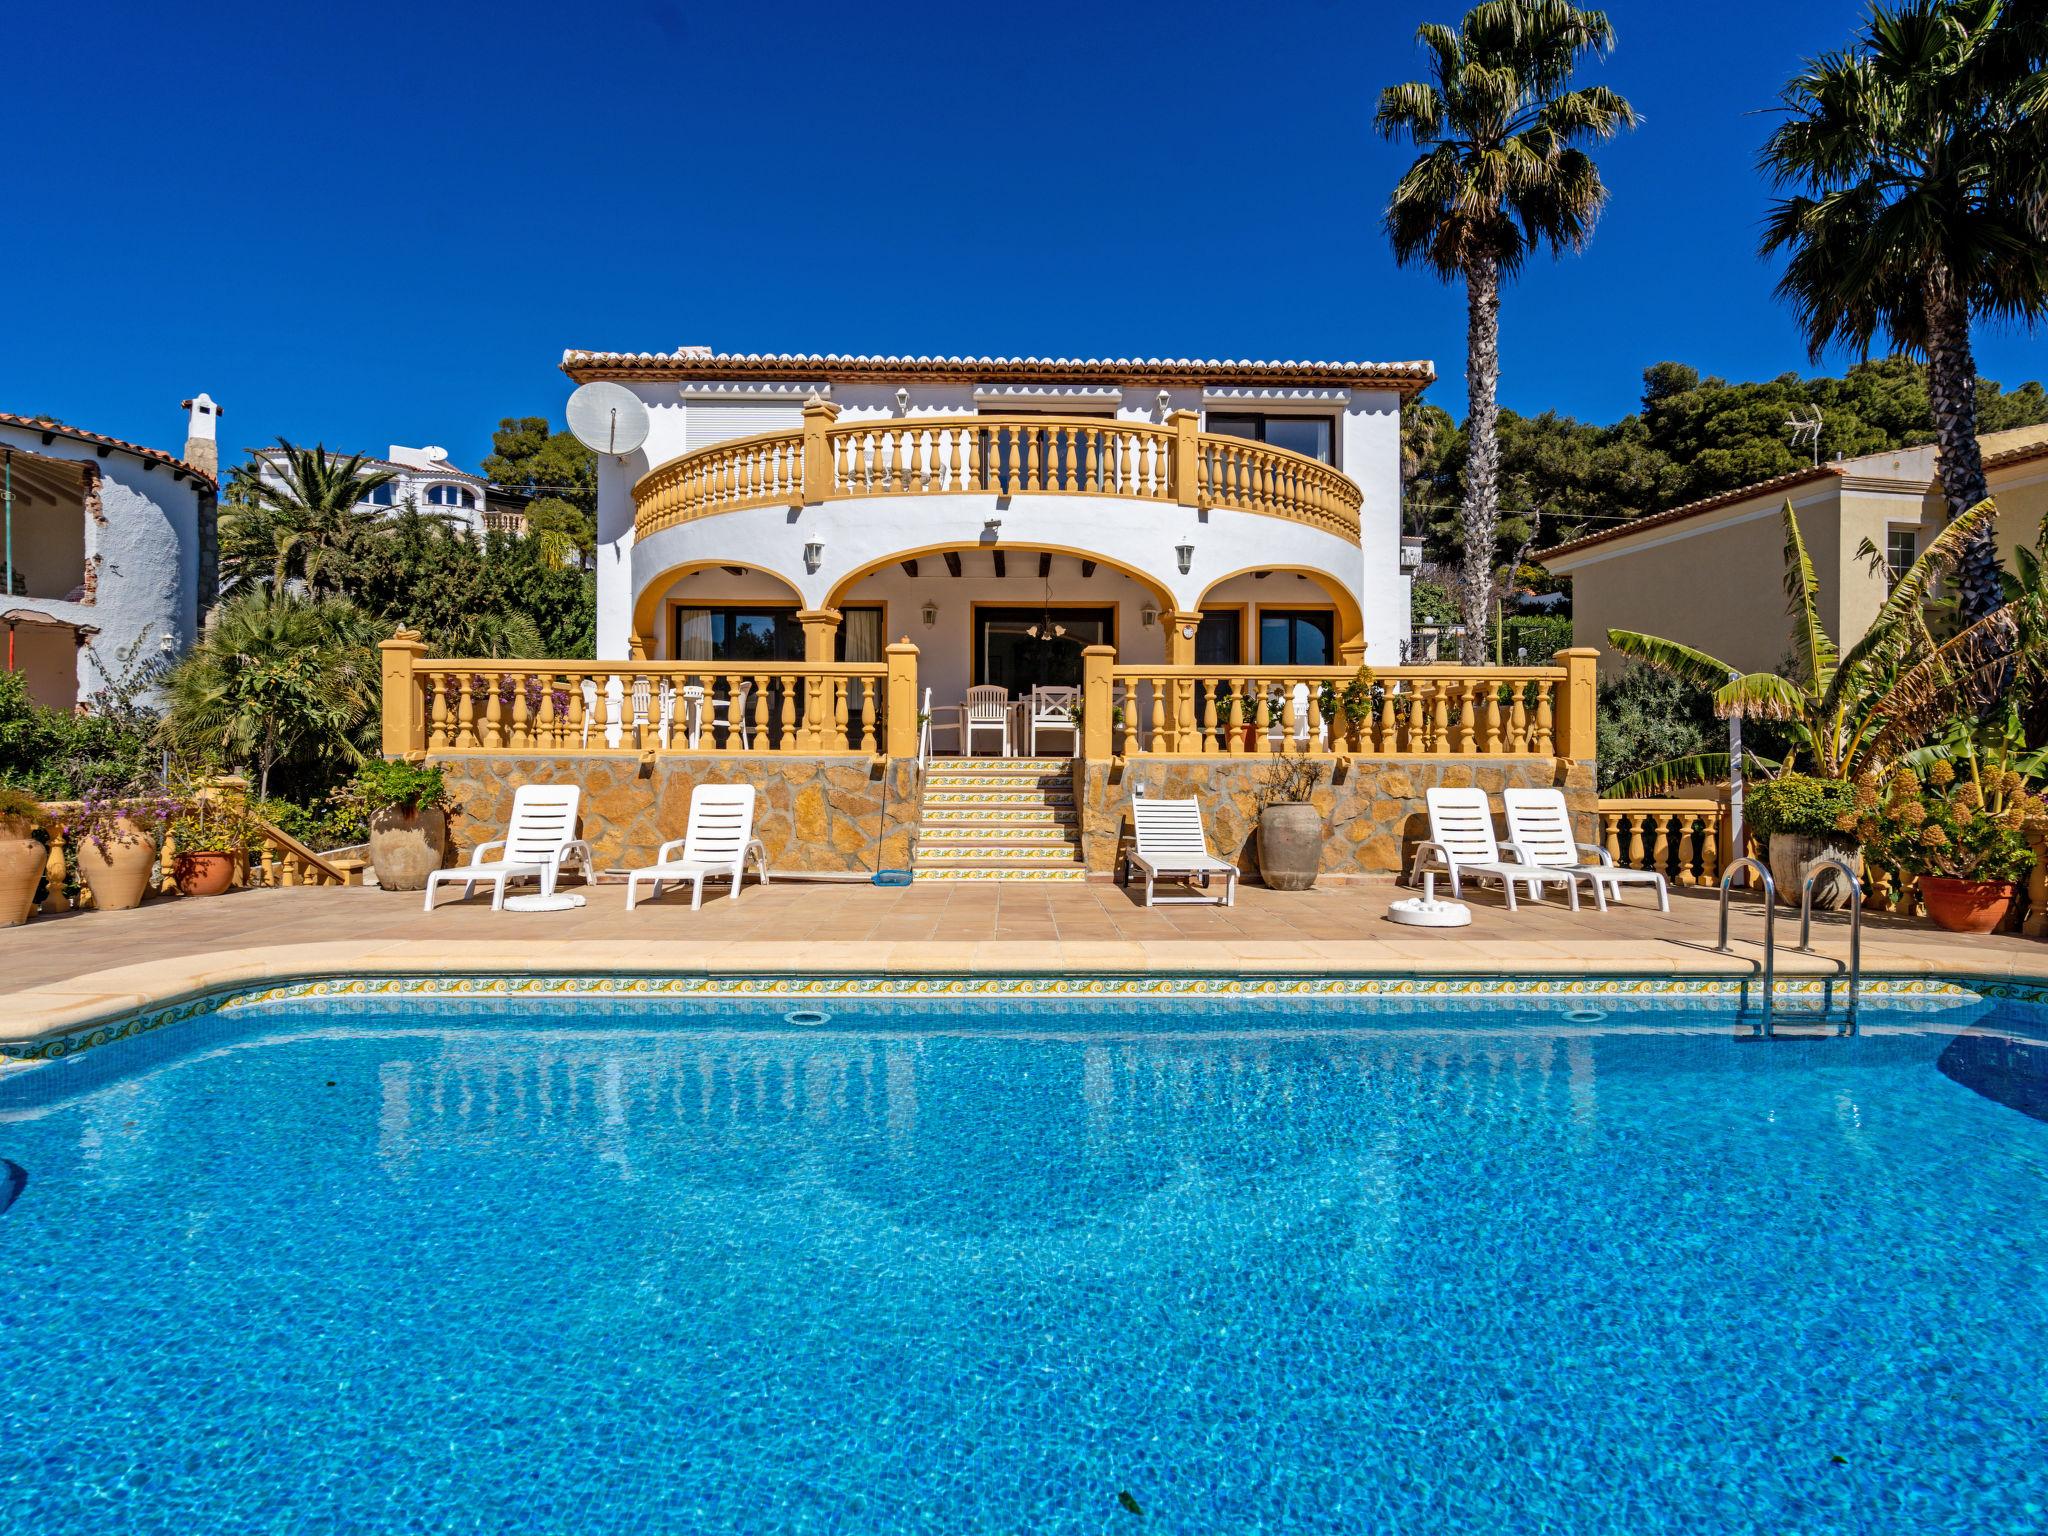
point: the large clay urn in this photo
(204, 874)
(407, 846)
(1290, 845)
(22, 860)
(117, 868)
(1793, 855)
(1966, 906)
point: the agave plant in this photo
(1846, 712)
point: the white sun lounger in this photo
(1171, 845)
(1461, 842)
(717, 840)
(1540, 832)
(540, 841)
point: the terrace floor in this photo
(60, 970)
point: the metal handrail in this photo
(1814, 871)
(1770, 926)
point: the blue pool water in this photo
(1223, 1267)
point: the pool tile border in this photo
(59, 1046)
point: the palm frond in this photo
(1811, 643)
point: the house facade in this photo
(110, 552)
(1711, 573)
(1003, 514)
(424, 477)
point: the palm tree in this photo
(278, 679)
(303, 522)
(1920, 202)
(1845, 712)
(1500, 173)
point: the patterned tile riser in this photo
(124, 1027)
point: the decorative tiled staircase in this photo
(999, 819)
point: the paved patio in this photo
(59, 971)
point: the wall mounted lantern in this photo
(814, 556)
(1148, 615)
(1165, 404)
(1185, 554)
(931, 614)
(902, 402)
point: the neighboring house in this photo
(113, 552)
(1003, 513)
(1711, 573)
(422, 475)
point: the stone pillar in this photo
(821, 633)
(1187, 435)
(1098, 703)
(818, 416)
(1578, 700)
(903, 700)
(1181, 629)
(405, 726)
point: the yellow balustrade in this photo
(812, 708)
(996, 456)
(1686, 841)
(1197, 711)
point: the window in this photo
(1297, 637)
(1013, 649)
(1901, 549)
(451, 496)
(378, 496)
(1219, 641)
(1312, 436)
(746, 635)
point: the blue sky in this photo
(382, 223)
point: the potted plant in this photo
(1290, 827)
(24, 853)
(1963, 834)
(1352, 704)
(211, 834)
(114, 841)
(408, 808)
(1801, 819)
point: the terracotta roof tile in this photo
(696, 363)
(101, 440)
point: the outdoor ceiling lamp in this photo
(1046, 628)
(931, 614)
(814, 556)
(1185, 554)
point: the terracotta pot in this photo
(1793, 855)
(407, 846)
(118, 871)
(1290, 845)
(1966, 906)
(204, 874)
(22, 860)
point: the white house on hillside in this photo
(1003, 513)
(113, 554)
(424, 476)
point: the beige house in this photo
(1711, 573)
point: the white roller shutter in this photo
(708, 422)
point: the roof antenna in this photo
(1806, 431)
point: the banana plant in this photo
(1846, 711)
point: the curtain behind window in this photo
(862, 628)
(693, 634)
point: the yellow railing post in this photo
(1578, 705)
(903, 702)
(818, 418)
(1097, 702)
(404, 727)
(821, 633)
(1187, 449)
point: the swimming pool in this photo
(383, 1264)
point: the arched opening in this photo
(712, 610)
(1280, 616)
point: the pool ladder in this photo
(1768, 1015)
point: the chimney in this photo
(202, 446)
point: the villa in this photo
(832, 577)
(424, 478)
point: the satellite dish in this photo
(607, 418)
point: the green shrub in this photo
(1430, 602)
(57, 755)
(1648, 717)
(1542, 635)
(392, 784)
(1800, 806)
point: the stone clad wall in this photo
(1373, 818)
(813, 813)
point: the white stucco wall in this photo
(146, 543)
(860, 532)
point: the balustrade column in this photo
(404, 728)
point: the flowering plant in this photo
(1939, 822)
(117, 820)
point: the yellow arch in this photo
(647, 606)
(1350, 617)
(842, 590)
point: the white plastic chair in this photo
(1540, 832)
(590, 715)
(717, 840)
(1461, 842)
(1171, 844)
(702, 708)
(987, 709)
(1052, 709)
(926, 745)
(540, 841)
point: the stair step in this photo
(996, 781)
(1009, 872)
(997, 853)
(989, 800)
(981, 836)
(997, 816)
